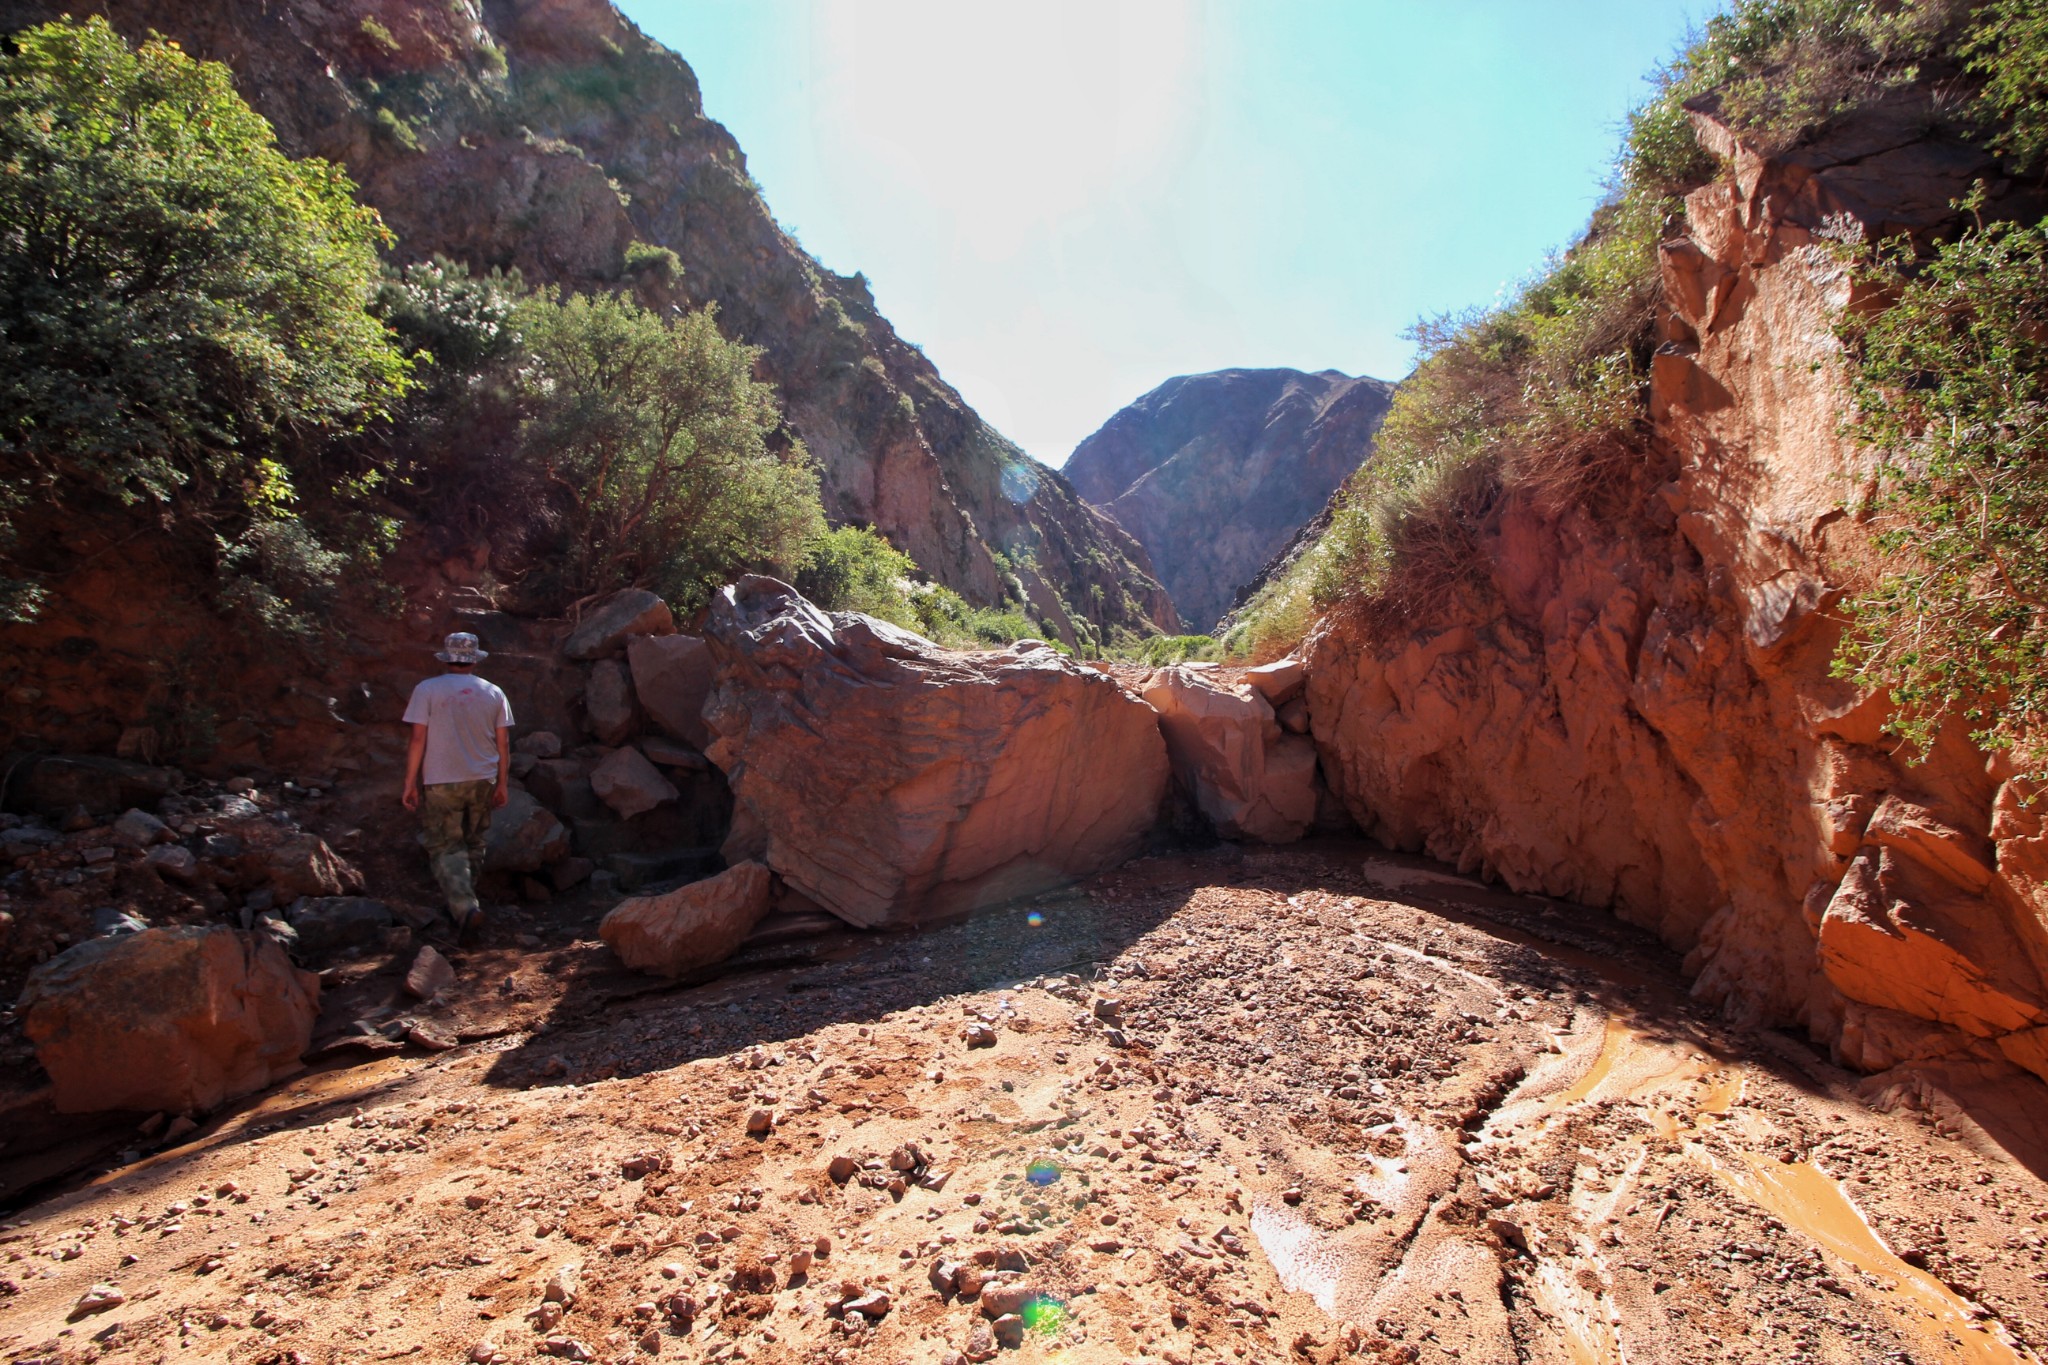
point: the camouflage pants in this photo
(454, 817)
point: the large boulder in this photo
(629, 784)
(180, 1019)
(693, 926)
(1249, 778)
(608, 702)
(524, 836)
(608, 624)
(672, 676)
(893, 781)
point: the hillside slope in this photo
(550, 135)
(1215, 473)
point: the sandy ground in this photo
(1307, 1104)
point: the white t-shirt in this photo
(463, 714)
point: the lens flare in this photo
(1044, 1314)
(1034, 919)
(1042, 1172)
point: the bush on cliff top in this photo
(181, 304)
(1545, 395)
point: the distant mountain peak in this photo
(1214, 473)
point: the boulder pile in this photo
(1246, 774)
(895, 782)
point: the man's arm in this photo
(414, 756)
(504, 791)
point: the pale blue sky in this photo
(1066, 202)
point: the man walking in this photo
(462, 753)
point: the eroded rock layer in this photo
(1638, 711)
(892, 781)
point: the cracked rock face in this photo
(894, 782)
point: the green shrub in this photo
(1158, 651)
(396, 131)
(645, 260)
(1951, 389)
(855, 569)
(444, 317)
(378, 35)
(182, 301)
(654, 437)
(2009, 47)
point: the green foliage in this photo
(645, 260)
(1951, 389)
(1158, 651)
(178, 299)
(654, 439)
(443, 316)
(1543, 394)
(2009, 47)
(855, 569)
(396, 131)
(1779, 69)
(378, 34)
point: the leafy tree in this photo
(656, 440)
(176, 294)
(1951, 389)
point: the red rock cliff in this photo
(1641, 715)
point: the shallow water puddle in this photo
(1803, 1196)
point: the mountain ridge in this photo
(1215, 473)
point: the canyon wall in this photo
(1638, 711)
(1215, 473)
(548, 136)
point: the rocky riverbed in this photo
(1318, 1103)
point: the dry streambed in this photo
(1310, 1104)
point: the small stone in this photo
(430, 974)
(140, 829)
(842, 1169)
(98, 1299)
(906, 1158)
(981, 1343)
(1108, 1009)
(1009, 1330)
(823, 1246)
(561, 1286)
(978, 1035)
(871, 1305)
(799, 1263)
(483, 1353)
(1003, 1300)
(945, 1276)
(760, 1122)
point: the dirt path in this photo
(1308, 1104)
